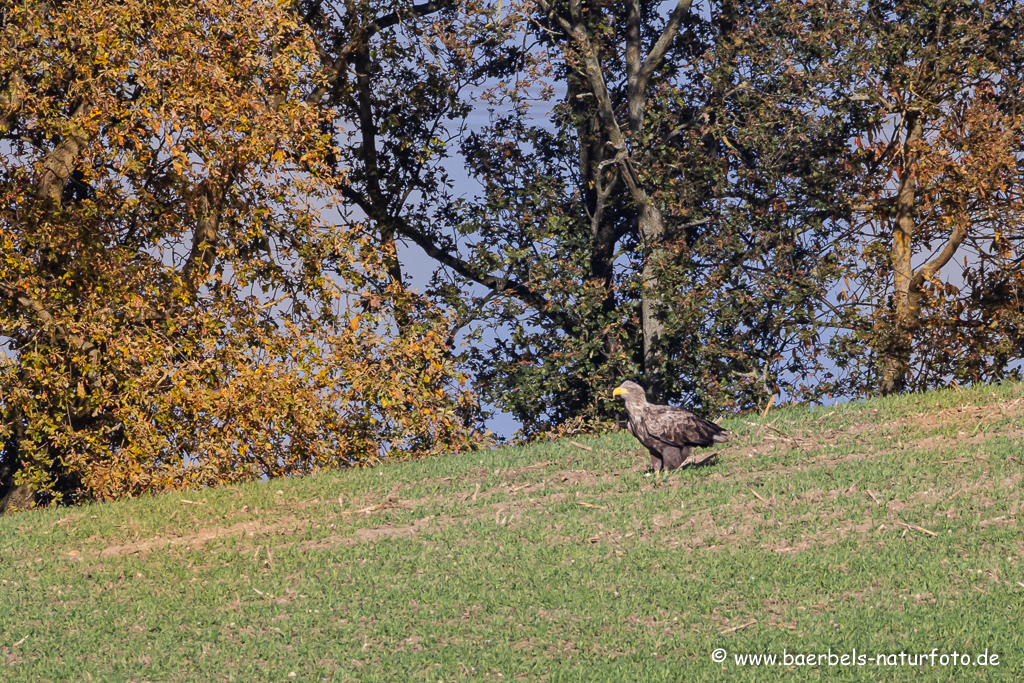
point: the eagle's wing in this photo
(679, 427)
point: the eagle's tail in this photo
(718, 434)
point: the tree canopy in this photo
(181, 313)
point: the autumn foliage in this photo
(934, 291)
(182, 315)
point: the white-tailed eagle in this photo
(667, 432)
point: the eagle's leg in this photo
(673, 457)
(656, 462)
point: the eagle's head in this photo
(632, 393)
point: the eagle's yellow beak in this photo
(619, 391)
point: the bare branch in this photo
(446, 258)
(201, 256)
(11, 99)
(76, 340)
(658, 52)
(933, 266)
(61, 160)
(363, 36)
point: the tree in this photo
(164, 277)
(640, 66)
(940, 165)
(673, 220)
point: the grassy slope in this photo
(552, 562)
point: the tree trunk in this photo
(639, 70)
(14, 497)
(368, 132)
(895, 351)
(598, 185)
(652, 231)
(897, 347)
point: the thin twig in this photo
(757, 494)
(774, 429)
(579, 445)
(919, 528)
(737, 628)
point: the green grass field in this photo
(882, 526)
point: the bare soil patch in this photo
(201, 536)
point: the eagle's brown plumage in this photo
(666, 431)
